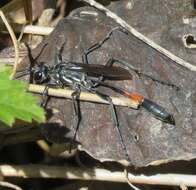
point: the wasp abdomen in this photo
(158, 111)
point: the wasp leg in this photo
(45, 96)
(58, 54)
(115, 120)
(100, 43)
(129, 66)
(139, 73)
(77, 113)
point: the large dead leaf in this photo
(148, 140)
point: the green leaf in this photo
(16, 102)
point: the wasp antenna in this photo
(29, 53)
(41, 51)
(22, 74)
(23, 70)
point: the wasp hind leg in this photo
(77, 114)
(142, 74)
(115, 120)
(126, 64)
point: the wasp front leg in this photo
(100, 43)
(45, 96)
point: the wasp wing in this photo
(96, 70)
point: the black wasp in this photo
(88, 77)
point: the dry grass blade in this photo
(128, 181)
(14, 40)
(9, 185)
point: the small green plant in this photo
(16, 102)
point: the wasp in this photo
(82, 76)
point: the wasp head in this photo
(41, 74)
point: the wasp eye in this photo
(38, 77)
(41, 75)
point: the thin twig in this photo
(30, 29)
(9, 185)
(128, 181)
(67, 172)
(85, 96)
(14, 40)
(38, 30)
(140, 36)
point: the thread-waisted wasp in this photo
(88, 77)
